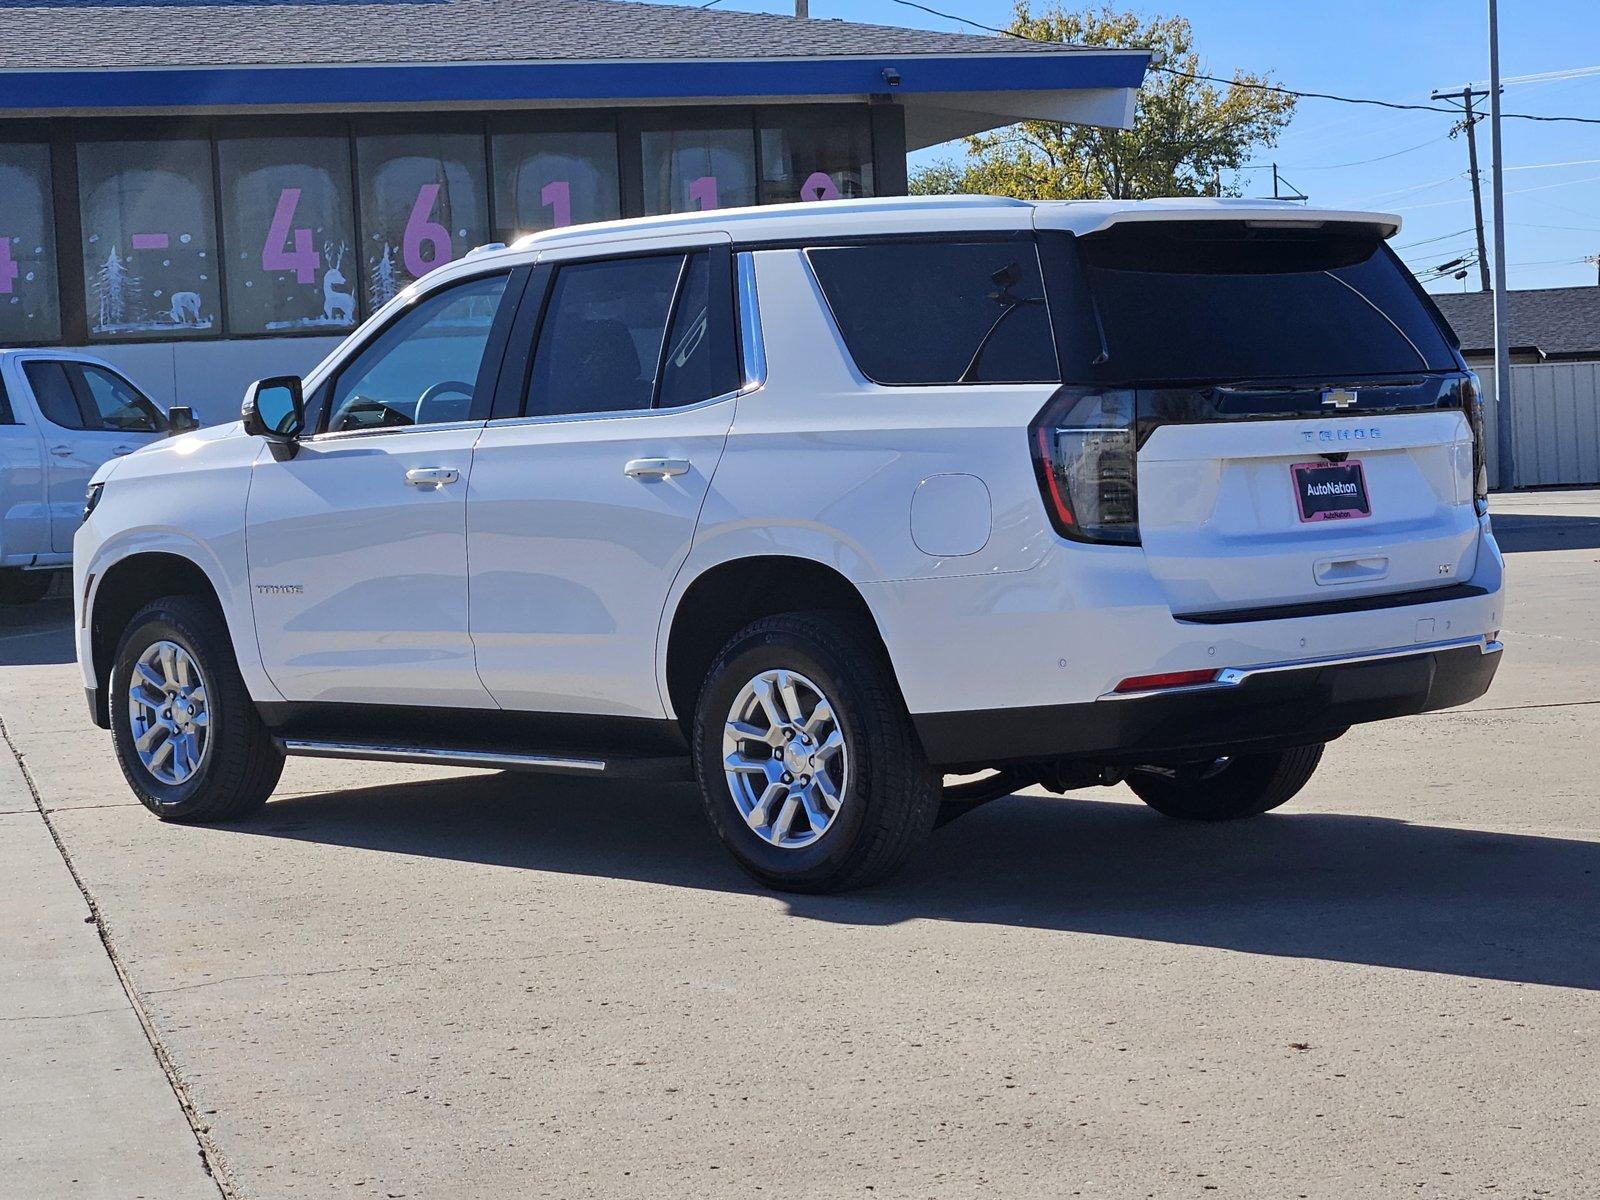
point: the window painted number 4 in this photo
(303, 260)
(8, 269)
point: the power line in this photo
(1259, 87)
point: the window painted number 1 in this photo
(8, 269)
(422, 230)
(703, 191)
(557, 197)
(303, 260)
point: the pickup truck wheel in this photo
(809, 768)
(1226, 789)
(24, 587)
(188, 737)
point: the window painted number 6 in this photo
(422, 230)
(303, 260)
(8, 269)
(557, 197)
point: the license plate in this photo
(1331, 491)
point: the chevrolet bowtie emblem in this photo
(1338, 398)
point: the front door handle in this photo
(432, 477)
(61, 451)
(655, 468)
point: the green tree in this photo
(1184, 129)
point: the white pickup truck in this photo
(62, 415)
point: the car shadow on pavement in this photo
(1522, 533)
(1327, 886)
(36, 635)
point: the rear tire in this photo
(177, 661)
(24, 587)
(1226, 789)
(832, 790)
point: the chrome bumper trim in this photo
(1232, 677)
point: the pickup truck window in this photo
(7, 417)
(53, 393)
(120, 406)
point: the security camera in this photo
(891, 76)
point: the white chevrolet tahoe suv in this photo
(825, 504)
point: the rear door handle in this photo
(655, 468)
(61, 451)
(434, 477)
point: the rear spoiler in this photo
(1263, 216)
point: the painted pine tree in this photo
(116, 291)
(384, 280)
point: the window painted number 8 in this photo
(422, 230)
(819, 185)
(275, 253)
(8, 269)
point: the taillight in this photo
(1472, 403)
(1167, 679)
(1084, 451)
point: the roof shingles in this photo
(1558, 322)
(65, 35)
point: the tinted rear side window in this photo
(941, 312)
(1221, 302)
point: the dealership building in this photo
(207, 193)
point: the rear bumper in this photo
(1255, 708)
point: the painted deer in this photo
(336, 305)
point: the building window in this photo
(690, 169)
(424, 202)
(149, 238)
(288, 230)
(29, 309)
(815, 156)
(548, 179)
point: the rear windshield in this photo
(941, 312)
(1222, 301)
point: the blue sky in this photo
(1396, 50)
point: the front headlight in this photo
(92, 498)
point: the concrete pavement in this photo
(405, 982)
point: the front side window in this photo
(289, 229)
(424, 202)
(941, 312)
(119, 405)
(602, 335)
(149, 238)
(52, 392)
(425, 367)
(29, 309)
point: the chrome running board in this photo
(491, 760)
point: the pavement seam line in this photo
(210, 1157)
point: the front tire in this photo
(188, 738)
(1226, 789)
(24, 587)
(809, 768)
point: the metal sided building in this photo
(204, 193)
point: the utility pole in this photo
(1502, 314)
(802, 8)
(1469, 120)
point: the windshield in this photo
(1218, 301)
